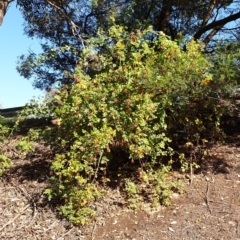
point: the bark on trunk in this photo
(3, 9)
(164, 17)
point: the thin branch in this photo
(93, 230)
(65, 234)
(30, 199)
(207, 201)
(211, 35)
(74, 26)
(217, 12)
(230, 29)
(98, 164)
(86, 19)
(12, 220)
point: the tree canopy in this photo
(64, 25)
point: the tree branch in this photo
(209, 13)
(74, 26)
(216, 24)
(209, 37)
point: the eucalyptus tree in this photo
(63, 28)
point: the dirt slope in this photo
(209, 208)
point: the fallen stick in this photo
(12, 220)
(207, 201)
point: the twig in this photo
(5, 188)
(34, 213)
(74, 26)
(65, 234)
(98, 163)
(22, 191)
(31, 200)
(238, 229)
(50, 227)
(207, 201)
(12, 220)
(94, 227)
(191, 173)
(191, 167)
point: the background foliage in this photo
(70, 23)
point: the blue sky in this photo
(14, 90)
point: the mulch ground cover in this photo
(209, 208)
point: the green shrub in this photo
(5, 162)
(134, 92)
(133, 81)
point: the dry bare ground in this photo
(208, 209)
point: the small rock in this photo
(115, 221)
(174, 211)
(232, 223)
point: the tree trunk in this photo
(3, 9)
(164, 17)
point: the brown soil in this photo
(208, 209)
